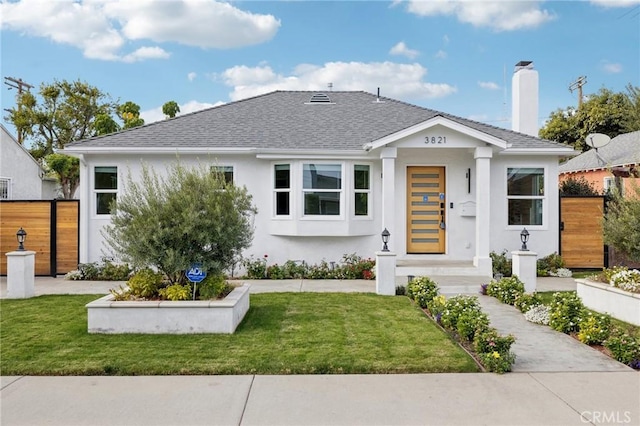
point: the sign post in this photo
(196, 274)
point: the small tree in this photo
(67, 171)
(170, 109)
(577, 186)
(621, 224)
(191, 215)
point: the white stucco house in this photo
(21, 176)
(329, 171)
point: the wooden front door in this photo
(426, 201)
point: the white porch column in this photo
(388, 156)
(85, 206)
(482, 260)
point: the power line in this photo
(580, 81)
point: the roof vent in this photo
(320, 98)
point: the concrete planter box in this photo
(604, 298)
(165, 317)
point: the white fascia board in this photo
(162, 150)
(562, 152)
(320, 154)
(450, 124)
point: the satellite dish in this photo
(597, 140)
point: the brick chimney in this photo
(524, 99)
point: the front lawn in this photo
(283, 333)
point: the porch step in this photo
(451, 285)
(430, 268)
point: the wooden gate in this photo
(581, 237)
(52, 232)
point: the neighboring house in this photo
(614, 164)
(21, 176)
(329, 171)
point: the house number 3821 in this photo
(435, 139)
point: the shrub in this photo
(594, 329)
(321, 271)
(183, 216)
(214, 286)
(561, 273)
(621, 225)
(624, 348)
(275, 272)
(293, 269)
(566, 312)
(577, 186)
(497, 362)
(470, 323)
(401, 290)
(176, 292)
(490, 340)
(540, 314)
(256, 269)
(114, 272)
(507, 290)
(437, 306)
(355, 267)
(89, 271)
(422, 290)
(454, 307)
(525, 301)
(501, 265)
(145, 284)
(549, 264)
(628, 280)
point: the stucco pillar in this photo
(21, 274)
(482, 260)
(385, 273)
(388, 156)
(85, 208)
(524, 265)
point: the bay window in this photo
(322, 189)
(282, 188)
(361, 189)
(525, 195)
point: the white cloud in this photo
(402, 50)
(102, 28)
(395, 80)
(191, 76)
(441, 54)
(155, 114)
(489, 85)
(498, 15)
(611, 68)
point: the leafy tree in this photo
(67, 170)
(170, 109)
(604, 112)
(66, 112)
(577, 186)
(105, 124)
(621, 224)
(190, 215)
(129, 113)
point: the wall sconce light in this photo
(524, 237)
(21, 235)
(385, 239)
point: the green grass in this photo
(283, 333)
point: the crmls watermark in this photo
(606, 417)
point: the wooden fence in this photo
(581, 237)
(52, 232)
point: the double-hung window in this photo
(525, 195)
(322, 189)
(282, 188)
(105, 187)
(5, 189)
(361, 189)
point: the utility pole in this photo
(580, 81)
(17, 83)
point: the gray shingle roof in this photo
(621, 150)
(287, 120)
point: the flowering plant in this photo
(538, 314)
(628, 280)
(566, 312)
(506, 290)
(624, 348)
(561, 273)
(594, 329)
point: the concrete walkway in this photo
(556, 381)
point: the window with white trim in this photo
(525, 195)
(282, 189)
(225, 171)
(608, 183)
(5, 188)
(105, 187)
(361, 189)
(322, 189)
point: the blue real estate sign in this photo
(195, 273)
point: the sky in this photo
(456, 57)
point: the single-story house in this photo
(330, 171)
(616, 163)
(21, 176)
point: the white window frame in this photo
(224, 168)
(544, 197)
(103, 191)
(276, 191)
(356, 191)
(608, 182)
(341, 191)
(5, 193)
